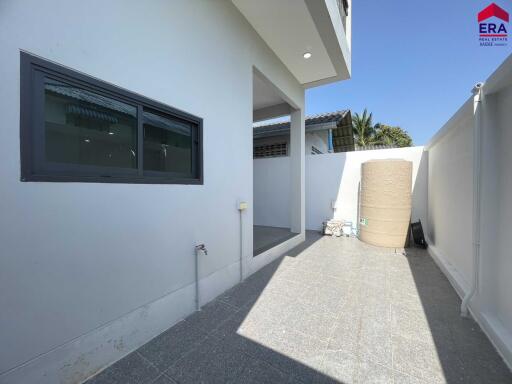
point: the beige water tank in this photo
(385, 202)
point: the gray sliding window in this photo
(77, 128)
(168, 144)
(82, 127)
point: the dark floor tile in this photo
(259, 372)
(241, 295)
(167, 348)
(490, 371)
(297, 370)
(163, 379)
(479, 359)
(471, 344)
(209, 362)
(268, 270)
(258, 281)
(104, 377)
(211, 316)
(231, 326)
(132, 369)
(207, 348)
(265, 237)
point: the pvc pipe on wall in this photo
(242, 206)
(330, 144)
(196, 272)
(200, 248)
(477, 155)
(241, 247)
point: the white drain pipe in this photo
(477, 156)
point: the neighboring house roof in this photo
(493, 10)
(104, 104)
(339, 121)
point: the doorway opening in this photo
(272, 167)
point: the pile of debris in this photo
(337, 228)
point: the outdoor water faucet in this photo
(202, 248)
(198, 248)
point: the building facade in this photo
(117, 160)
(325, 133)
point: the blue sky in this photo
(414, 62)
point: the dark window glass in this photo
(85, 128)
(168, 144)
(77, 128)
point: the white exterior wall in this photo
(450, 206)
(329, 177)
(318, 140)
(492, 304)
(336, 177)
(272, 192)
(501, 251)
(89, 272)
(450, 193)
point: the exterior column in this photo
(297, 169)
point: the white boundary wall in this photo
(331, 180)
(450, 206)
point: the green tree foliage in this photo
(389, 135)
(365, 133)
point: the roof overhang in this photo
(339, 123)
(293, 27)
(315, 123)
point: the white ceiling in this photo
(263, 95)
(288, 28)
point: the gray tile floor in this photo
(334, 310)
(265, 237)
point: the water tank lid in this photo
(384, 160)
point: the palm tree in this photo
(364, 131)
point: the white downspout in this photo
(477, 155)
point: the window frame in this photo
(33, 71)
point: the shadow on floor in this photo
(265, 237)
(207, 348)
(333, 310)
(456, 344)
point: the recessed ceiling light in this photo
(87, 140)
(307, 55)
(111, 133)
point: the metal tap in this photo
(202, 248)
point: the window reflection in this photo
(83, 127)
(167, 144)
